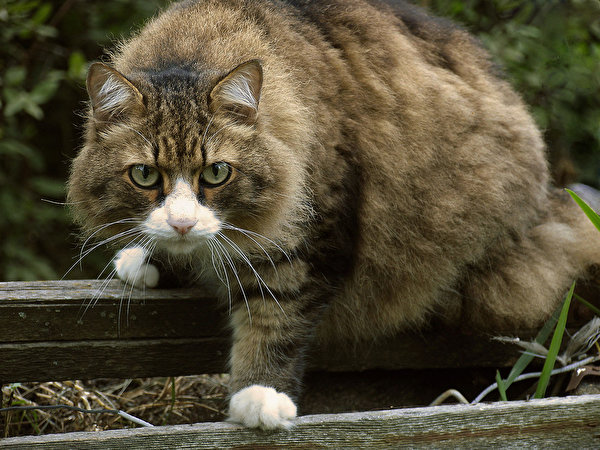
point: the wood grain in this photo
(47, 332)
(78, 310)
(55, 330)
(572, 422)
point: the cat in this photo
(336, 169)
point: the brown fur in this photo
(403, 177)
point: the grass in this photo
(559, 331)
(559, 318)
(526, 358)
(159, 401)
(592, 215)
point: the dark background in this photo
(550, 50)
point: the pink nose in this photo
(182, 226)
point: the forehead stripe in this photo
(155, 152)
(192, 146)
(203, 152)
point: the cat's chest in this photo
(229, 276)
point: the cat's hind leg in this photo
(130, 264)
(523, 279)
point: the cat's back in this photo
(403, 110)
(212, 33)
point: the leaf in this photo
(586, 209)
(14, 76)
(77, 66)
(42, 14)
(33, 109)
(15, 101)
(526, 358)
(588, 304)
(501, 387)
(46, 88)
(540, 392)
(13, 147)
(49, 186)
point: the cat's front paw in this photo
(132, 269)
(262, 407)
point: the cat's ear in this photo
(238, 93)
(112, 94)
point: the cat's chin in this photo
(181, 247)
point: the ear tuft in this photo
(111, 93)
(238, 94)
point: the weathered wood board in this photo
(46, 333)
(572, 422)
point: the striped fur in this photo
(379, 174)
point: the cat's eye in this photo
(216, 174)
(144, 176)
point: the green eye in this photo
(216, 174)
(144, 176)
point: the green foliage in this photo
(589, 212)
(526, 358)
(45, 48)
(595, 219)
(501, 386)
(559, 331)
(550, 49)
(589, 305)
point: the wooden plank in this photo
(572, 422)
(41, 328)
(176, 332)
(58, 310)
(67, 360)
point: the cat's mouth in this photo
(183, 244)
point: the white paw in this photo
(132, 269)
(264, 407)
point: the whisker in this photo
(129, 128)
(245, 233)
(82, 254)
(231, 263)
(256, 274)
(247, 261)
(54, 202)
(98, 229)
(229, 226)
(214, 249)
(94, 299)
(202, 142)
(143, 244)
(214, 135)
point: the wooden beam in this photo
(94, 310)
(48, 332)
(572, 422)
(82, 360)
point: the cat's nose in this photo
(182, 226)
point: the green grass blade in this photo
(595, 218)
(541, 338)
(554, 346)
(588, 304)
(173, 392)
(501, 387)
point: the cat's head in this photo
(175, 157)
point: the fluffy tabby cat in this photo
(330, 169)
